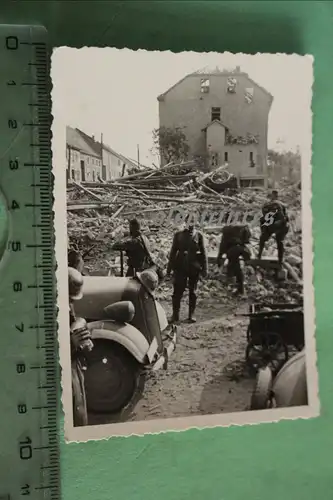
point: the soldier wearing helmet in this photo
(274, 221)
(136, 248)
(80, 342)
(150, 279)
(188, 262)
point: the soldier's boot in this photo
(239, 279)
(280, 249)
(175, 310)
(262, 242)
(240, 288)
(191, 309)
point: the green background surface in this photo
(290, 460)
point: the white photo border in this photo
(105, 431)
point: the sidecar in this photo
(131, 336)
(287, 388)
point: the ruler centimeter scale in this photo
(28, 344)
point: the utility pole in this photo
(102, 157)
(138, 150)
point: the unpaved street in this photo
(206, 373)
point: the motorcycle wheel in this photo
(260, 399)
(113, 379)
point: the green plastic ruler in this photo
(29, 452)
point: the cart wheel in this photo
(267, 350)
(261, 394)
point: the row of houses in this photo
(89, 160)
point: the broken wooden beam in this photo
(93, 195)
(117, 212)
(73, 207)
(291, 271)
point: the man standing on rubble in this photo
(188, 262)
(274, 221)
(233, 244)
(136, 248)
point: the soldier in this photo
(136, 248)
(188, 261)
(233, 244)
(275, 221)
(80, 340)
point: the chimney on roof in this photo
(238, 70)
(93, 138)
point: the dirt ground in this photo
(206, 373)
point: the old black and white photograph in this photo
(183, 224)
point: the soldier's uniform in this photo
(137, 250)
(187, 261)
(80, 414)
(233, 244)
(274, 221)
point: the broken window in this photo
(231, 85)
(249, 95)
(204, 85)
(216, 114)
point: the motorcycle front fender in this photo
(124, 334)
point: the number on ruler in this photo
(12, 123)
(14, 246)
(17, 286)
(14, 205)
(25, 490)
(20, 368)
(22, 409)
(13, 164)
(26, 449)
(12, 43)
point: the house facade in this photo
(84, 164)
(115, 165)
(224, 116)
(89, 160)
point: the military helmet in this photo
(149, 278)
(75, 284)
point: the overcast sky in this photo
(114, 92)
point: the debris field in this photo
(207, 373)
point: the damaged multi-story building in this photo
(224, 116)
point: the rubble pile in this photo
(98, 215)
